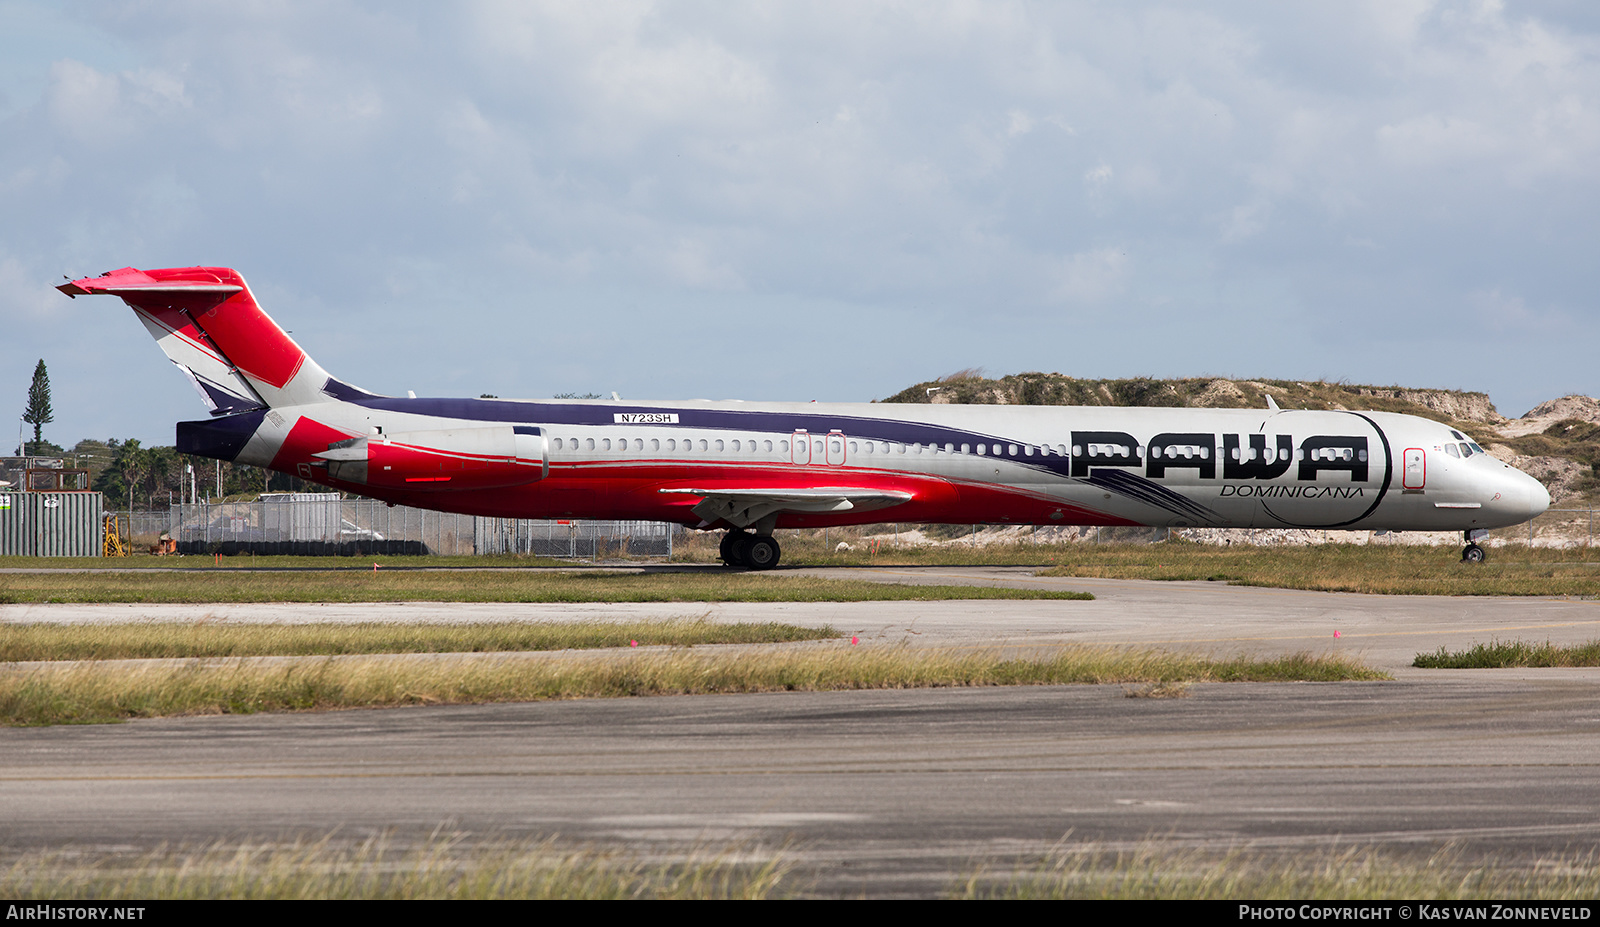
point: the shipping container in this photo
(51, 524)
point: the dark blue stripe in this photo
(1138, 488)
(818, 425)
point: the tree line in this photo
(157, 474)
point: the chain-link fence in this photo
(575, 538)
(1555, 528)
(323, 524)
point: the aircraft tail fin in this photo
(210, 326)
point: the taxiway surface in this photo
(891, 792)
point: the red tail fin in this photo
(209, 323)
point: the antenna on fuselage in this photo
(1272, 404)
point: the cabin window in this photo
(783, 446)
(705, 445)
(655, 444)
(853, 447)
(589, 443)
(1028, 450)
(768, 445)
(719, 446)
(982, 449)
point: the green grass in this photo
(1370, 568)
(1501, 654)
(1379, 569)
(88, 693)
(478, 586)
(174, 640)
(1349, 874)
(286, 562)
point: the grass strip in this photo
(169, 640)
(448, 866)
(1378, 569)
(1354, 873)
(1502, 654)
(477, 586)
(441, 868)
(89, 693)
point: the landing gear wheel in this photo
(762, 553)
(727, 549)
(1473, 554)
(740, 549)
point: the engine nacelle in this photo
(439, 461)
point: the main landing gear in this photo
(1472, 553)
(753, 551)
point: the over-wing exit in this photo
(748, 468)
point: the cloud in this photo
(937, 161)
(1092, 276)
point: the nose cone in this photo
(1518, 497)
(1511, 497)
(1538, 496)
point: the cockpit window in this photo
(1476, 447)
(1466, 449)
(1451, 450)
(1457, 435)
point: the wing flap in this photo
(743, 507)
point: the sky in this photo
(818, 200)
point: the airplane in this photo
(748, 468)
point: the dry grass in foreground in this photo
(477, 586)
(373, 869)
(88, 693)
(451, 867)
(1386, 570)
(1502, 654)
(174, 640)
(1356, 873)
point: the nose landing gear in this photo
(752, 551)
(1472, 553)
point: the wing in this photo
(744, 507)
